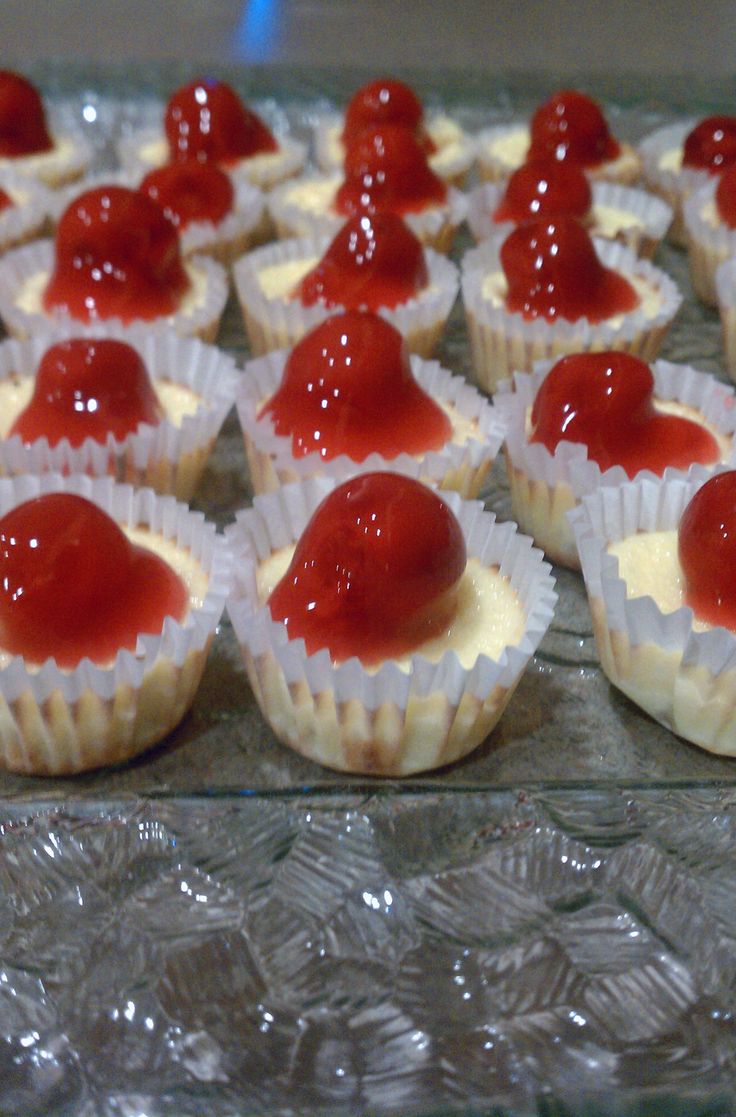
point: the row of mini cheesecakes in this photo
(320, 706)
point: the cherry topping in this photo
(23, 128)
(605, 400)
(189, 192)
(546, 188)
(372, 262)
(570, 125)
(5, 201)
(385, 101)
(347, 388)
(387, 169)
(707, 551)
(726, 196)
(72, 585)
(375, 571)
(88, 388)
(116, 256)
(711, 145)
(207, 121)
(552, 271)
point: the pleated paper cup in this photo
(24, 273)
(682, 673)
(28, 215)
(664, 174)
(634, 217)
(452, 161)
(303, 207)
(394, 720)
(710, 241)
(171, 456)
(544, 486)
(279, 321)
(56, 721)
(462, 464)
(503, 342)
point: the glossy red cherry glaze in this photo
(552, 271)
(23, 128)
(375, 572)
(72, 585)
(606, 401)
(385, 101)
(386, 169)
(545, 188)
(725, 197)
(5, 201)
(372, 262)
(707, 551)
(206, 120)
(570, 125)
(189, 192)
(88, 388)
(116, 255)
(711, 145)
(348, 388)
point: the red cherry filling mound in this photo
(552, 271)
(189, 192)
(711, 145)
(73, 585)
(385, 101)
(606, 401)
(372, 262)
(375, 572)
(707, 551)
(546, 188)
(725, 197)
(23, 128)
(386, 169)
(5, 201)
(116, 256)
(347, 388)
(207, 121)
(88, 388)
(570, 125)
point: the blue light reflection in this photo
(257, 33)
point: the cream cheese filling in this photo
(489, 615)
(155, 153)
(177, 401)
(494, 289)
(650, 567)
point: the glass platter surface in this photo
(223, 927)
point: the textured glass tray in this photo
(481, 953)
(565, 721)
(223, 928)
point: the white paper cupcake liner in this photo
(709, 240)
(390, 721)
(435, 227)
(278, 323)
(200, 319)
(725, 283)
(663, 173)
(28, 216)
(544, 486)
(503, 148)
(644, 218)
(463, 466)
(60, 722)
(169, 457)
(682, 677)
(66, 162)
(452, 160)
(502, 342)
(139, 152)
